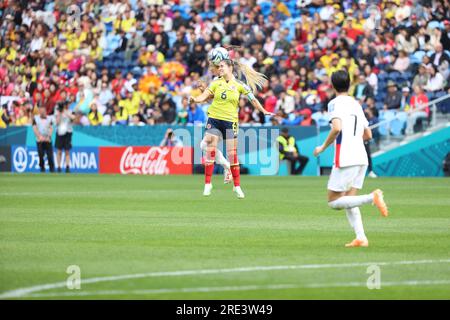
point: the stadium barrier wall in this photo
(146, 160)
(258, 151)
(5, 159)
(420, 158)
(25, 159)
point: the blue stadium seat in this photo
(109, 27)
(418, 55)
(312, 11)
(320, 119)
(266, 8)
(137, 73)
(119, 64)
(184, 10)
(433, 25)
(443, 106)
(394, 75)
(380, 96)
(408, 76)
(108, 65)
(135, 56)
(383, 129)
(120, 55)
(399, 124)
(379, 105)
(207, 15)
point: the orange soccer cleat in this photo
(357, 243)
(378, 201)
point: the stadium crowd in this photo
(136, 62)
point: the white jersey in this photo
(349, 145)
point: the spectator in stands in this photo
(196, 116)
(105, 95)
(64, 119)
(418, 109)
(440, 56)
(373, 120)
(120, 114)
(182, 115)
(421, 78)
(168, 111)
(94, 116)
(43, 129)
(4, 117)
(286, 103)
(170, 140)
(371, 78)
(436, 81)
(362, 89)
(445, 36)
(136, 121)
(371, 112)
(245, 111)
(405, 100)
(393, 97)
(402, 62)
(370, 104)
(406, 42)
(41, 43)
(288, 150)
(307, 117)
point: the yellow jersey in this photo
(95, 121)
(2, 123)
(225, 105)
(122, 116)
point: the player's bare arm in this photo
(367, 135)
(336, 127)
(205, 96)
(257, 105)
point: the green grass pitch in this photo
(142, 237)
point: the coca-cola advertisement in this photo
(146, 160)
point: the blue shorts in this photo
(225, 129)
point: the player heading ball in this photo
(349, 129)
(223, 115)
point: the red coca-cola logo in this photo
(146, 160)
(150, 162)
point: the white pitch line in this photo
(236, 288)
(84, 193)
(17, 293)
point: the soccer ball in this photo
(217, 55)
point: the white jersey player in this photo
(349, 129)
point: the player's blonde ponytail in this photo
(253, 78)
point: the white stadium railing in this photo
(401, 115)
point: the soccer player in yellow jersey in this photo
(220, 159)
(223, 116)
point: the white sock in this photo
(354, 217)
(347, 202)
(349, 214)
(203, 145)
(221, 160)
